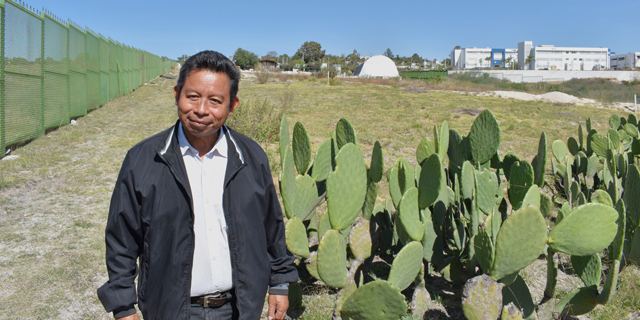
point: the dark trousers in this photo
(228, 311)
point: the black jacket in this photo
(151, 218)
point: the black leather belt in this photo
(212, 300)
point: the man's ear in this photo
(234, 104)
(176, 94)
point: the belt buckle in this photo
(214, 295)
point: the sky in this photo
(429, 28)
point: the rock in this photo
(482, 298)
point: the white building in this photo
(377, 66)
(528, 57)
(629, 60)
(482, 58)
(549, 57)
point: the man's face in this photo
(204, 103)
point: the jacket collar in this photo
(171, 143)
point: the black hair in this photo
(215, 62)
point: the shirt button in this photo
(206, 200)
(214, 257)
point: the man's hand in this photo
(131, 317)
(278, 305)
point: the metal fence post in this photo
(2, 127)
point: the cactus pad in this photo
(377, 163)
(457, 151)
(409, 215)
(360, 239)
(559, 150)
(484, 250)
(375, 300)
(532, 198)
(301, 145)
(323, 225)
(572, 145)
(599, 144)
(631, 198)
(521, 239)
(520, 180)
(346, 187)
(468, 180)
(507, 162)
(484, 137)
(332, 259)
(601, 196)
(288, 184)
(614, 121)
(370, 200)
(306, 196)
(518, 293)
(442, 144)
(394, 186)
(345, 133)
(425, 149)
(429, 182)
(587, 230)
(406, 265)
(344, 294)
(284, 138)
(296, 237)
(312, 265)
(631, 130)
(577, 302)
(486, 187)
(588, 268)
(540, 161)
(324, 161)
(481, 298)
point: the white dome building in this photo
(377, 66)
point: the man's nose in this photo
(201, 107)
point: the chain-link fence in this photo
(52, 71)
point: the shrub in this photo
(263, 74)
(257, 119)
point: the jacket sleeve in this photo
(282, 267)
(123, 238)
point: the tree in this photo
(415, 57)
(528, 61)
(457, 47)
(388, 53)
(488, 59)
(272, 54)
(164, 58)
(311, 51)
(245, 59)
(183, 57)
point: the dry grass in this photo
(54, 197)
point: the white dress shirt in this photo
(211, 260)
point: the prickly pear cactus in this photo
(332, 259)
(588, 268)
(409, 217)
(406, 265)
(430, 184)
(375, 300)
(296, 237)
(518, 293)
(587, 230)
(345, 133)
(346, 187)
(324, 161)
(577, 302)
(360, 239)
(301, 145)
(520, 241)
(481, 298)
(288, 183)
(484, 137)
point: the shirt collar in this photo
(220, 147)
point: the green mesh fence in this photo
(52, 71)
(77, 72)
(104, 71)
(23, 109)
(56, 73)
(93, 70)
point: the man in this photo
(197, 206)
